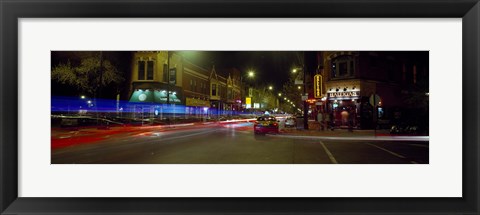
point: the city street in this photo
(235, 143)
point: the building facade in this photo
(165, 84)
(369, 89)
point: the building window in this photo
(173, 76)
(342, 69)
(214, 90)
(141, 70)
(343, 66)
(165, 74)
(149, 70)
(229, 94)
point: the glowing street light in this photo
(294, 70)
(270, 88)
(251, 74)
(82, 97)
(299, 87)
(279, 94)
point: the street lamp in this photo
(168, 77)
(251, 74)
(82, 97)
(270, 88)
(279, 94)
(305, 104)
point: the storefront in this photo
(344, 107)
(196, 107)
(151, 103)
(351, 106)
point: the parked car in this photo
(290, 122)
(265, 124)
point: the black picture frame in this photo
(11, 11)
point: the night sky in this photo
(270, 67)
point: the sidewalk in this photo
(336, 133)
(355, 135)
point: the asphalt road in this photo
(236, 144)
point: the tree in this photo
(291, 92)
(265, 97)
(88, 76)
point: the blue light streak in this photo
(76, 105)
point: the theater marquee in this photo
(344, 94)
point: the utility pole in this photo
(168, 78)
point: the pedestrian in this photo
(328, 121)
(320, 120)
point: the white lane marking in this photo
(413, 162)
(393, 153)
(330, 155)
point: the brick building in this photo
(194, 90)
(351, 80)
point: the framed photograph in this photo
(219, 107)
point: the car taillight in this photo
(275, 124)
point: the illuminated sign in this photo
(248, 101)
(196, 102)
(344, 94)
(317, 86)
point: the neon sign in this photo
(344, 94)
(317, 86)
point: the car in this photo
(265, 124)
(290, 122)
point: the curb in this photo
(376, 138)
